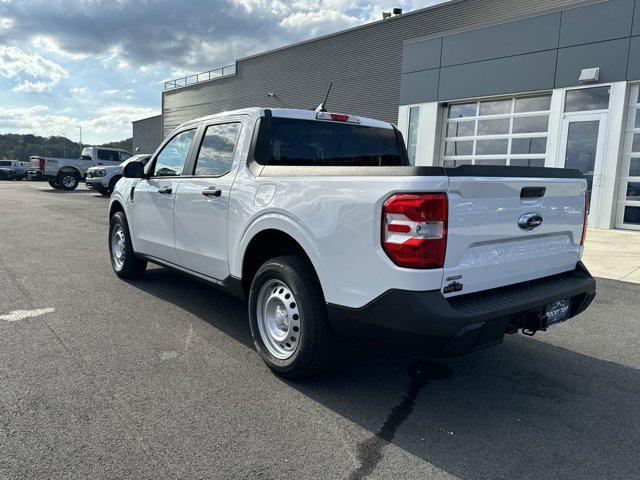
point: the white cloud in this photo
(315, 22)
(16, 63)
(29, 86)
(109, 123)
(6, 22)
(79, 90)
(127, 93)
(42, 42)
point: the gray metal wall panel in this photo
(514, 38)
(595, 23)
(633, 71)
(147, 134)
(636, 19)
(422, 55)
(365, 64)
(610, 56)
(521, 73)
(419, 87)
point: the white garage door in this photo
(504, 131)
(628, 213)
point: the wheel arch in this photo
(272, 238)
(70, 169)
(115, 207)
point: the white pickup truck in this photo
(66, 173)
(321, 223)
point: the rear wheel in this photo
(288, 318)
(68, 180)
(123, 259)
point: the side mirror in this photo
(133, 169)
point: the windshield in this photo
(323, 143)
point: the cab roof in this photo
(298, 113)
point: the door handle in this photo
(165, 190)
(211, 192)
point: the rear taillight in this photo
(414, 229)
(41, 163)
(585, 218)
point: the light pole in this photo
(80, 127)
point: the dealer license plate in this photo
(558, 311)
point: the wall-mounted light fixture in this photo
(589, 75)
(271, 94)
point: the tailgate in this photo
(507, 230)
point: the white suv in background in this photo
(104, 178)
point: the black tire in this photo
(132, 267)
(112, 184)
(54, 184)
(104, 191)
(68, 180)
(315, 342)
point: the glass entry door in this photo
(582, 142)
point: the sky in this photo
(101, 64)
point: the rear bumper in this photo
(428, 322)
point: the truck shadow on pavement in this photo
(525, 409)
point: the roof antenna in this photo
(321, 107)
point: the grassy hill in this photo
(21, 146)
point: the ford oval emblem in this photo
(529, 221)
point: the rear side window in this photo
(323, 143)
(5, 164)
(216, 151)
(108, 156)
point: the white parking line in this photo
(22, 314)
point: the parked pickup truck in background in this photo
(66, 173)
(12, 170)
(104, 178)
(319, 220)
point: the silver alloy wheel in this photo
(68, 181)
(117, 247)
(278, 319)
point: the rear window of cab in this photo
(318, 143)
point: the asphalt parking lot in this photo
(159, 379)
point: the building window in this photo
(506, 131)
(412, 137)
(629, 206)
(587, 99)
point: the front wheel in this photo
(54, 184)
(288, 318)
(123, 259)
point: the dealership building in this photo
(485, 82)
